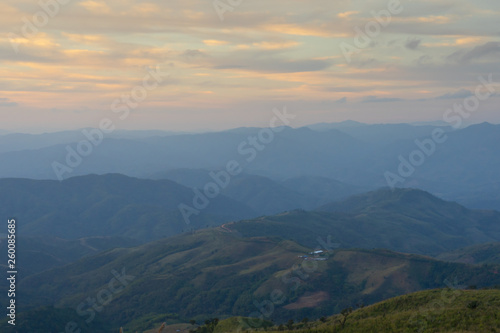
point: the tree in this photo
(345, 313)
(211, 324)
(192, 322)
(289, 325)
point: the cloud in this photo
(462, 93)
(375, 99)
(96, 7)
(265, 61)
(229, 67)
(467, 40)
(413, 43)
(194, 54)
(5, 102)
(94, 51)
(347, 14)
(275, 46)
(279, 66)
(478, 52)
(422, 60)
(214, 42)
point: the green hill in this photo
(36, 254)
(108, 205)
(476, 254)
(403, 220)
(406, 200)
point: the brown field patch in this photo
(309, 300)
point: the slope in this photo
(36, 254)
(476, 254)
(213, 273)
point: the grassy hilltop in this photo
(437, 310)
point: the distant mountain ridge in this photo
(267, 196)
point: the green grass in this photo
(439, 310)
(236, 324)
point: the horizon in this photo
(436, 123)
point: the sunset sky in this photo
(232, 72)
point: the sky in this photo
(210, 65)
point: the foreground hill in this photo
(215, 273)
(404, 220)
(438, 310)
(108, 205)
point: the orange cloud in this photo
(213, 42)
(275, 45)
(468, 40)
(347, 14)
(294, 29)
(96, 7)
(440, 19)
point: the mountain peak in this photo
(340, 125)
(387, 199)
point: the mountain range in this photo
(151, 227)
(358, 155)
